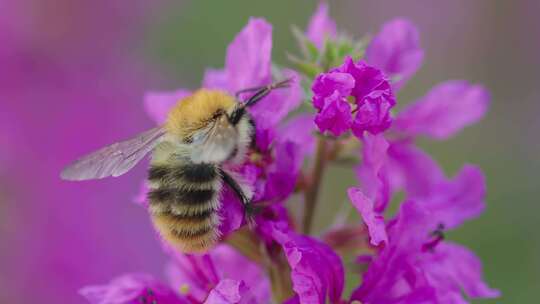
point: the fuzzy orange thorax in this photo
(195, 111)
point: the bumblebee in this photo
(204, 133)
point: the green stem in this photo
(312, 191)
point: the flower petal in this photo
(459, 199)
(444, 110)
(316, 271)
(372, 173)
(411, 168)
(279, 103)
(374, 221)
(321, 26)
(230, 292)
(158, 104)
(215, 79)
(130, 288)
(248, 60)
(457, 268)
(327, 83)
(228, 261)
(336, 115)
(396, 50)
(299, 130)
(283, 173)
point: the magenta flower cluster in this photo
(402, 258)
(371, 95)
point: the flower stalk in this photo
(312, 191)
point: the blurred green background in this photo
(496, 43)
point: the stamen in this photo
(438, 237)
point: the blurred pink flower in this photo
(321, 26)
(396, 51)
(63, 94)
(444, 110)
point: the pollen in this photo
(184, 289)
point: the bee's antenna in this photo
(261, 92)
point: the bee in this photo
(203, 135)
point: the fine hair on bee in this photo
(205, 135)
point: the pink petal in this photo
(215, 79)
(444, 110)
(336, 116)
(316, 270)
(411, 168)
(396, 50)
(321, 26)
(158, 104)
(248, 60)
(229, 292)
(457, 268)
(373, 220)
(278, 104)
(459, 199)
(129, 288)
(372, 173)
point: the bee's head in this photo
(203, 122)
(216, 141)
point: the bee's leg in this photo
(253, 139)
(249, 209)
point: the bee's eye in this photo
(217, 114)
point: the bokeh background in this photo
(73, 74)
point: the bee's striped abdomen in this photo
(184, 203)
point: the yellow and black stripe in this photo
(184, 204)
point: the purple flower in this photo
(405, 272)
(415, 265)
(363, 86)
(321, 26)
(396, 51)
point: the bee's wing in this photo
(113, 160)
